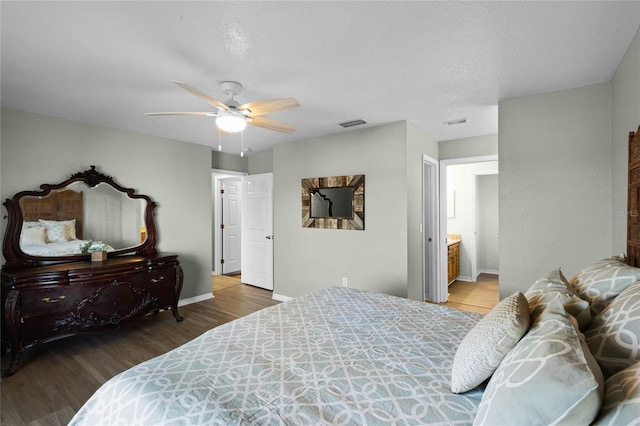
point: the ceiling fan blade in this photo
(205, 114)
(270, 124)
(203, 96)
(269, 106)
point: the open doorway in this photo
(227, 213)
(469, 251)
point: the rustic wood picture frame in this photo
(310, 185)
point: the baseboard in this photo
(280, 297)
(489, 271)
(463, 278)
(195, 299)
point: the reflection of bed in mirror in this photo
(79, 219)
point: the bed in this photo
(338, 356)
(563, 351)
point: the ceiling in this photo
(426, 62)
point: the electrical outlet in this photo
(345, 282)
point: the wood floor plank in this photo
(480, 296)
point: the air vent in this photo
(352, 123)
(456, 121)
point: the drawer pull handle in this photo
(49, 300)
(157, 280)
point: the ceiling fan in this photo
(233, 117)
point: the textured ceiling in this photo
(425, 62)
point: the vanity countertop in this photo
(452, 239)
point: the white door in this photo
(430, 219)
(257, 230)
(231, 226)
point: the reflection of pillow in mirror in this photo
(33, 236)
(59, 231)
(31, 224)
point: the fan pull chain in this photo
(242, 144)
(219, 140)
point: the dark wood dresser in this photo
(111, 277)
(48, 302)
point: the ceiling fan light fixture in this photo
(230, 122)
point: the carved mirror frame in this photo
(16, 258)
(312, 185)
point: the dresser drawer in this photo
(48, 300)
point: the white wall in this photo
(488, 223)
(375, 259)
(625, 117)
(555, 183)
(39, 149)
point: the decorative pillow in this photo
(33, 236)
(553, 285)
(59, 231)
(488, 342)
(31, 224)
(621, 398)
(604, 280)
(548, 378)
(614, 335)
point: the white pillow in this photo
(35, 236)
(59, 231)
(488, 342)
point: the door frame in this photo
(443, 284)
(216, 175)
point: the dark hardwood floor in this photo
(55, 379)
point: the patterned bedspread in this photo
(338, 356)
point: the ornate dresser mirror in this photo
(53, 286)
(65, 222)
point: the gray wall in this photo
(38, 149)
(375, 259)
(477, 146)
(563, 175)
(224, 161)
(625, 117)
(261, 162)
(555, 184)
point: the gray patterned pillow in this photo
(621, 399)
(553, 285)
(548, 378)
(59, 231)
(488, 342)
(600, 282)
(614, 335)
